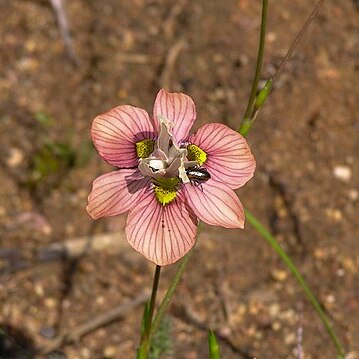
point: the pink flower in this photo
(156, 158)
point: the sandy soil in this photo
(306, 188)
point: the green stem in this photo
(307, 291)
(256, 101)
(252, 98)
(145, 340)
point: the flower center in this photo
(144, 148)
(166, 189)
(196, 154)
(165, 162)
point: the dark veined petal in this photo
(115, 192)
(215, 203)
(178, 108)
(116, 132)
(229, 158)
(163, 234)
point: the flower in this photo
(155, 158)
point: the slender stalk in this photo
(145, 340)
(252, 98)
(257, 101)
(297, 39)
(307, 291)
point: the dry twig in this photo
(59, 8)
(95, 323)
(170, 61)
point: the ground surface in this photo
(306, 142)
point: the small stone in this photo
(271, 36)
(353, 195)
(276, 326)
(48, 332)
(15, 157)
(334, 214)
(100, 300)
(279, 275)
(290, 338)
(39, 290)
(349, 265)
(274, 309)
(50, 302)
(352, 355)
(340, 272)
(342, 173)
(110, 352)
(85, 353)
(330, 299)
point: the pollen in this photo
(166, 189)
(144, 148)
(196, 154)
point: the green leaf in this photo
(146, 311)
(161, 343)
(263, 94)
(52, 157)
(213, 346)
(43, 119)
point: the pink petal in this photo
(116, 132)
(115, 192)
(229, 159)
(178, 108)
(163, 234)
(215, 203)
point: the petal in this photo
(115, 192)
(215, 203)
(116, 132)
(178, 108)
(163, 234)
(229, 159)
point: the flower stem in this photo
(307, 291)
(249, 110)
(257, 100)
(145, 340)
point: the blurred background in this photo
(58, 270)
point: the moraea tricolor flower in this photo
(154, 157)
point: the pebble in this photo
(50, 302)
(290, 338)
(48, 332)
(39, 290)
(279, 275)
(352, 355)
(330, 299)
(85, 353)
(342, 173)
(334, 214)
(353, 195)
(274, 310)
(110, 352)
(15, 157)
(349, 265)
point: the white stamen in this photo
(157, 164)
(182, 169)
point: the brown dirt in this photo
(234, 283)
